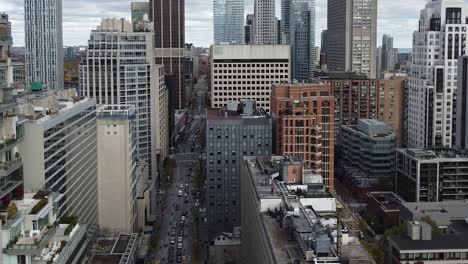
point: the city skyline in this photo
(80, 17)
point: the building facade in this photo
(239, 129)
(241, 72)
(431, 176)
(44, 44)
(265, 22)
(389, 54)
(228, 21)
(6, 41)
(392, 104)
(370, 147)
(59, 152)
(168, 17)
(437, 44)
(352, 36)
(304, 126)
(300, 34)
(249, 24)
(461, 135)
(137, 81)
(139, 10)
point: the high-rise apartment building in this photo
(44, 44)
(136, 81)
(265, 22)
(300, 34)
(6, 40)
(392, 104)
(59, 151)
(241, 72)
(249, 24)
(304, 126)
(118, 181)
(352, 36)
(168, 17)
(237, 130)
(437, 44)
(228, 21)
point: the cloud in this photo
(398, 18)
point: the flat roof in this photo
(442, 242)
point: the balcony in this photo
(10, 166)
(8, 187)
(31, 245)
(9, 143)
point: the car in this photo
(173, 232)
(182, 218)
(179, 259)
(181, 233)
(181, 186)
(179, 193)
(179, 245)
(181, 223)
(186, 184)
(179, 239)
(172, 240)
(185, 194)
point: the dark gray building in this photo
(236, 130)
(461, 135)
(249, 20)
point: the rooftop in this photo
(388, 201)
(117, 111)
(441, 155)
(443, 213)
(237, 110)
(114, 250)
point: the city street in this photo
(183, 194)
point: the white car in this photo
(179, 193)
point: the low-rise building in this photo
(431, 175)
(384, 208)
(120, 249)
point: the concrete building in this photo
(304, 127)
(352, 36)
(228, 21)
(117, 181)
(438, 42)
(6, 41)
(265, 22)
(392, 104)
(139, 10)
(121, 248)
(301, 36)
(44, 44)
(168, 17)
(235, 131)
(137, 81)
(389, 54)
(241, 72)
(249, 24)
(59, 151)
(431, 176)
(370, 147)
(422, 244)
(280, 219)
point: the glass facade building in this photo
(228, 21)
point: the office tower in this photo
(228, 21)
(304, 128)
(118, 175)
(461, 135)
(352, 36)
(301, 36)
(59, 151)
(268, 194)
(241, 72)
(424, 175)
(139, 10)
(6, 40)
(44, 45)
(324, 40)
(438, 42)
(237, 130)
(370, 147)
(265, 22)
(389, 54)
(285, 17)
(392, 104)
(137, 81)
(168, 17)
(249, 24)
(278, 31)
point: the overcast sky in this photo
(396, 17)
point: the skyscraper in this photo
(168, 17)
(352, 36)
(139, 9)
(249, 22)
(438, 42)
(5, 36)
(265, 22)
(137, 81)
(44, 45)
(228, 21)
